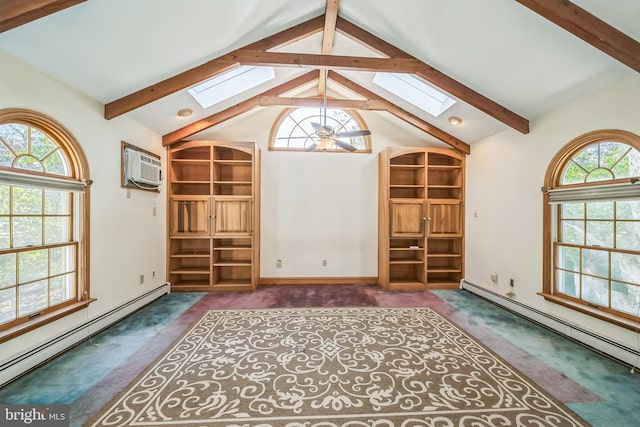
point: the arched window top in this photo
(293, 130)
(595, 157)
(26, 147)
(602, 161)
(36, 143)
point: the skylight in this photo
(415, 91)
(230, 84)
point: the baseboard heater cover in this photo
(575, 332)
(36, 356)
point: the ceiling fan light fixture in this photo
(324, 143)
(454, 120)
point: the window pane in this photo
(62, 289)
(56, 164)
(628, 209)
(568, 283)
(625, 267)
(28, 163)
(4, 233)
(27, 231)
(600, 210)
(573, 232)
(628, 235)
(62, 260)
(41, 145)
(595, 262)
(573, 210)
(56, 229)
(600, 233)
(625, 297)
(7, 270)
(15, 136)
(7, 305)
(27, 201)
(595, 290)
(6, 156)
(629, 166)
(574, 174)
(4, 199)
(56, 202)
(569, 258)
(33, 265)
(32, 297)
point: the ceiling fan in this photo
(325, 136)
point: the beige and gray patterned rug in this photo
(331, 367)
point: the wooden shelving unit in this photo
(420, 238)
(213, 219)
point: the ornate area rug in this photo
(331, 367)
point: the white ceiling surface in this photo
(111, 48)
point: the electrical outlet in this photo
(324, 262)
(494, 277)
(141, 279)
(279, 263)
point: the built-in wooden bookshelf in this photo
(420, 236)
(213, 219)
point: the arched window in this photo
(293, 129)
(43, 222)
(592, 226)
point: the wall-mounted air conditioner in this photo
(142, 168)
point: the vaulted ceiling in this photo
(506, 62)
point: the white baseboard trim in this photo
(599, 343)
(29, 359)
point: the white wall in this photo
(318, 206)
(504, 176)
(127, 240)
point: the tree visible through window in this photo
(595, 230)
(41, 215)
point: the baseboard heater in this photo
(36, 356)
(599, 343)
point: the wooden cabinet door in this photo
(407, 218)
(232, 216)
(189, 215)
(445, 218)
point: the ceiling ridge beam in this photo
(207, 70)
(14, 13)
(589, 28)
(328, 38)
(237, 109)
(402, 113)
(438, 78)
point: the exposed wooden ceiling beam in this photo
(437, 78)
(589, 28)
(306, 60)
(328, 35)
(354, 104)
(206, 70)
(14, 13)
(402, 114)
(236, 110)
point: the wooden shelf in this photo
(420, 204)
(213, 219)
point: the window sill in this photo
(43, 320)
(592, 311)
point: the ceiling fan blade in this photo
(344, 145)
(311, 147)
(353, 133)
